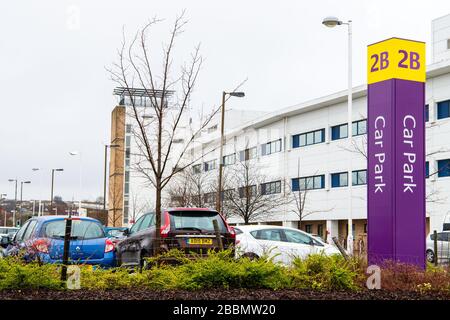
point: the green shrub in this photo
(14, 274)
(219, 269)
(322, 272)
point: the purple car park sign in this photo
(396, 152)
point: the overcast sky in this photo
(57, 97)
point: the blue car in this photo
(43, 238)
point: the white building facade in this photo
(308, 141)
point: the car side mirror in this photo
(126, 232)
(5, 241)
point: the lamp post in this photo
(15, 201)
(53, 182)
(222, 138)
(332, 22)
(1, 198)
(77, 153)
(21, 198)
(104, 175)
(39, 193)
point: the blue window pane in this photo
(295, 141)
(427, 169)
(443, 109)
(322, 181)
(427, 113)
(323, 135)
(335, 181)
(335, 132)
(295, 184)
(444, 168)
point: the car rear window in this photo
(202, 220)
(81, 229)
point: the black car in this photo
(188, 229)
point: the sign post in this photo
(396, 151)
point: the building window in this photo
(247, 154)
(444, 168)
(427, 169)
(308, 138)
(308, 228)
(443, 109)
(209, 197)
(271, 147)
(339, 179)
(308, 183)
(427, 113)
(339, 132)
(128, 128)
(320, 230)
(359, 127)
(197, 168)
(359, 177)
(229, 159)
(209, 165)
(247, 191)
(271, 187)
(226, 194)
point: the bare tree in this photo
(298, 197)
(138, 206)
(158, 133)
(187, 189)
(192, 188)
(116, 206)
(246, 195)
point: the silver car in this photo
(443, 247)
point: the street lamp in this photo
(332, 22)
(222, 138)
(15, 200)
(53, 181)
(1, 198)
(40, 210)
(21, 197)
(77, 153)
(104, 176)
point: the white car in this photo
(443, 246)
(282, 244)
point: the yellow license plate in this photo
(199, 241)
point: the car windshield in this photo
(114, 233)
(81, 229)
(196, 220)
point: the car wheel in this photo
(430, 256)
